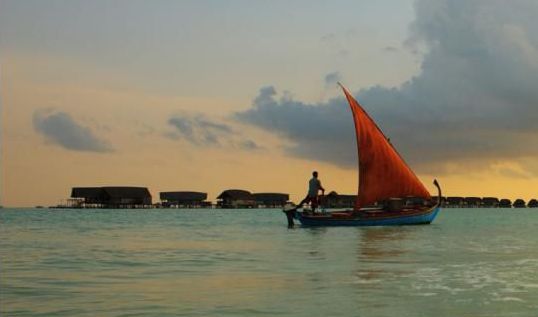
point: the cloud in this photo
(321, 132)
(332, 78)
(329, 38)
(249, 145)
(60, 128)
(344, 53)
(199, 130)
(390, 49)
(513, 173)
(475, 101)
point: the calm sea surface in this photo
(469, 262)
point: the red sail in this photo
(382, 172)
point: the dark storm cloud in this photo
(199, 130)
(60, 128)
(475, 99)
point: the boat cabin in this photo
(411, 201)
(393, 204)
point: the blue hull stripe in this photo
(419, 219)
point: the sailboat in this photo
(385, 184)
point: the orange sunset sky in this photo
(207, 95)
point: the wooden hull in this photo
(366, 218)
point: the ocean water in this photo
(469, 262)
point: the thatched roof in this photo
(335, 195)
(519, 203)
(126, 192)
(271, 197)
(110, 192)
(473, 200)
(347, 197)
(87, 192)
(454, 199)
(490, 200)
(183, 196)
(236, 194)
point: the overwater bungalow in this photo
(473, 202)
(112, 197)
(490, 202)
(335, 200)
(271, 200)
(519, 203)
(505, 203)
(533, 203)
(236, 198)
(184, 199)
(454, 202)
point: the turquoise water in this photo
(469, 262)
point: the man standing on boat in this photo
(314, 186)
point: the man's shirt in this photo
(314, 185)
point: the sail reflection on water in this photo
(379, 250)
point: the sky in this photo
(214, 95)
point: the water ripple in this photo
(247, 263)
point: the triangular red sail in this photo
(382, 172)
